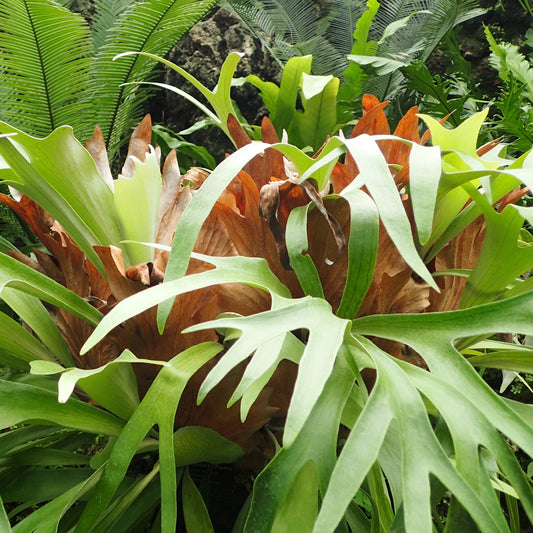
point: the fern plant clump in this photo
(316, 312)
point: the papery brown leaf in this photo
(269, 201)
(334, 226)
(407, 129)
(251, 236)
(462, 252)
(146, 273)
(138, 146)
(487, 147)
(33, 214)
(173, 200)
(373, 122)
(341, 177)
(260, 167)
(323, 246)
(96, 147)
(140, 333)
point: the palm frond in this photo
(152, 26)
(325, 29)
(106, 15)
(429, 21)
(44, 51)
(286, 27)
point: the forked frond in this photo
(152, 26)
(44, 58)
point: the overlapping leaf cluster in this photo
(323, 315)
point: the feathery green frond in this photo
(105, 17)
(326, 29)
(429, 23)
(44, 58)
(152, 26)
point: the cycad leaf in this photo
(153, 26)
(44, 58)
(106, 15)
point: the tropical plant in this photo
(392, 32)
(320, 319)
(55, 70)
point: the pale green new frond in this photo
(152, 26)
(44, 51)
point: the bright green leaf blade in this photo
(297, 245)
(197, 211)
(288, 92)
(16, 275)
(23, 403)
(375, 175)
(251, 271)
(432, 336)
(462, 139)
(135, 196)
(219, 98)
(319, 118)
(60, 175)
(316, 442)
(269, 92)
(317, 361)
(395, 398)
(424, 176)
(261, 368)
(501, 259)
(158, 407)
(362, 251)
(194, 509)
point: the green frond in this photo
(287, 27)
(343, 24)
(44, 51)
(106, 15)
(420, 35)
(153, 26)
(423, 31)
